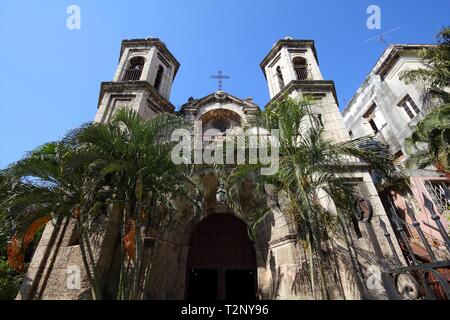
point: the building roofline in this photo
(393, 55)
(150, 42)
(384, 64)
(219, 96)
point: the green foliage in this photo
(436, 74)
(134, 155)
(429, 144)
(311, 170)
(9, 280)
(125, 164)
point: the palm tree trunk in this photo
(310, 235)
(323, 282)
(311, 269)
(316, 239)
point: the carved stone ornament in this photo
(363, 209)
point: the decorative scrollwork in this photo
(424, 281)
(407, 287)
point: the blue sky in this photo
(50, 75)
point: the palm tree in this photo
(50, 183)
(125, 164)
(436, 75)
(311, 168)
(429, 144)
(134, 155)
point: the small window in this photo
(280, 78)
(159, 76)
(373, 125)
(370, 118)
(319, 121)
(300, 67)
(410, 107)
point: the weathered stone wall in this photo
(55, 262)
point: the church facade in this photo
(212, 257)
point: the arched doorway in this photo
(221, 263)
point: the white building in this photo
(388, 108)
(384, 105)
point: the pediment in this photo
(219, 100)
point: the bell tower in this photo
(292, 68)
(142, 81)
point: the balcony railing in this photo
(302, 73)
(132, 74)
(417, 280)
(438, 191)
(414, 237)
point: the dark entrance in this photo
(221, 263)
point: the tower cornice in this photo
(133, 86)
(151, 42)
(306, 86)
(287, 43)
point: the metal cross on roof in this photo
(220, 77)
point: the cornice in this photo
(119, 87)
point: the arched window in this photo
(280, 78)
(300, 67)
(216, 123)
(134, 70)
(158, 78)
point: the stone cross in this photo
(220, 77)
